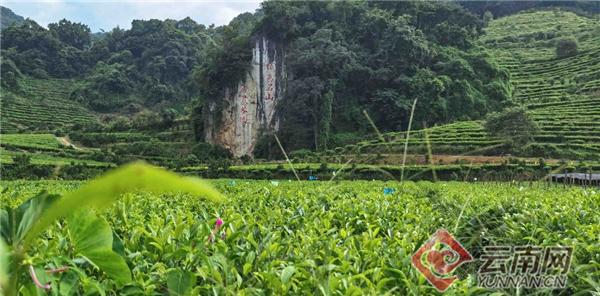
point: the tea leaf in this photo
(287, 273)
(4, 259)
(180, 282)
(101, 192)
(93, 239)
(16, 223)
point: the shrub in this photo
(191, 160)
(301, 154)
(513, 125)
(59, 132)
(205, 151)
(487, 17)
(566, 48)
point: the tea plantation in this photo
(42, 104)
(324, 238)
(561, 94)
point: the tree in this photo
(74, 34)
(513, 125)
(487, 17)
(566, 47)
(147, 120)
(427, 88)
(325, 121)
(168, 116)
(9, 18)
(10, 74)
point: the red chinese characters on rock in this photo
(270, 83)
(243, 96)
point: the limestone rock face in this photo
(249, 110)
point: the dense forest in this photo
(351, 65)
(379, 57)
(147, 65)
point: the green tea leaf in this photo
(16, 223)
(287, 273)
(103, 191)
(93, 239)
(4, 259)
(180, 282)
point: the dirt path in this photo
(65, 141)
(452, 159)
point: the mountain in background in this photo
(503, 8)
(8, 17)
(320, 75)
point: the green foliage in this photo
(91, 236)
(41, 141)
(106, 88)
(488, 16)
(41, 105)
(288, 237)
(150, 63)
(103, 191)
(566, 48)
(92, 239)
(8, 18)
(205, 152)
(382, 64)
(501, 8)
(4, 263)
(74, 34)
(558, 93)
(518, 55)
(512, 125)
(17, 223)
(37, 51)
(10, 75)
(180, 283)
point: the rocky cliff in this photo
(249, 110)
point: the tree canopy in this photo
(149, 64)
(346, 57)
(513, 125)
(342, 58)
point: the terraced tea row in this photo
(31, 141)
(531, 36)
(7, 157)
(562, 94)
(460, 137)
(536, 82)
(42, 105)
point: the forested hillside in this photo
(8, 17)
(349, 70)
(346, 58)
(355, 148)
(124, 71)
(559, 89)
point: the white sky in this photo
(108, 14)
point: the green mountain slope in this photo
(42, 104)
(8, 17)
(562, 95)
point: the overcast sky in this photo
(107, 14)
